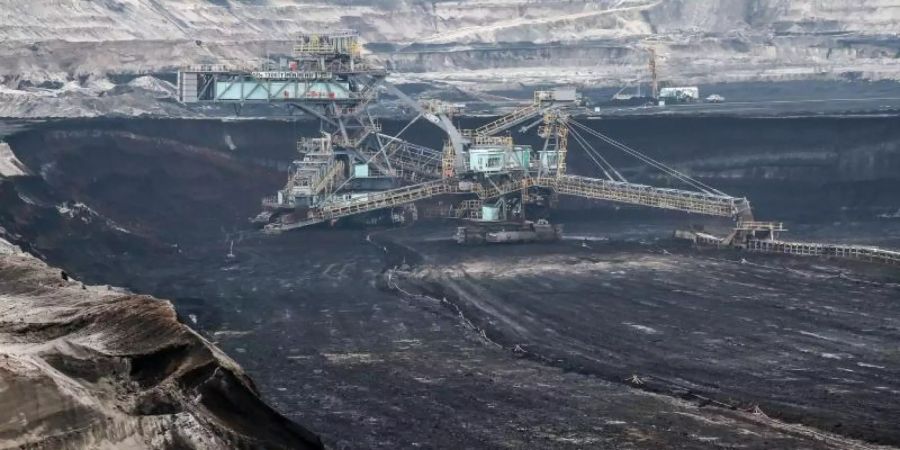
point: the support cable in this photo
(397, 136)
(649, 161)
(584, 146)
(596, 155)
(654, 163)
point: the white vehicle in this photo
(715, 98)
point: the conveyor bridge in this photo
(859, 252)
(619, 192)
(386, 199)
(643, 195)
(371, 202)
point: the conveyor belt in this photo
(504, 123)
(643, 195)
(620, 192)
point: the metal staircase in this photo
(508, 121)
(332, 177)
(315, 172)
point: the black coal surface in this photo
(616, 338)
(808, 341)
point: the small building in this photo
(360, 170)
(563, 94)
(490, 213)
(688, 94)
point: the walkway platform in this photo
(859, 252)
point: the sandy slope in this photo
(95, 367)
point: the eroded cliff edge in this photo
(97, 367)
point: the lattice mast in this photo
(654, 75)
(340, 84)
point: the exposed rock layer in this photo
(70, 46)
(95, 367)
(745, 39)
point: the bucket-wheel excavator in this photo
(354, 169)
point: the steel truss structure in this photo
(353, 168)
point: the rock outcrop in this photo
(96, 367)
